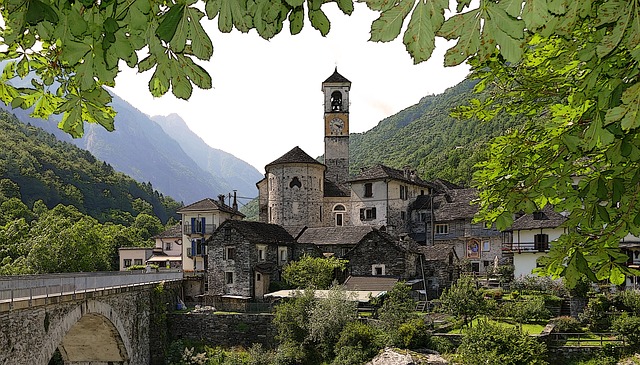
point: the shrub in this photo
(414, 334)
(492, 344)
(566, 324)
(628, 301)
(595, 314)
(494, 293)
(515, 294)
(525, 311)
(629, 328)
(442, 344)
(358, 334)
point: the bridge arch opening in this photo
(90, 334)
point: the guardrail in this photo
(585, 339)
(22, 288)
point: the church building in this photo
(300, 192)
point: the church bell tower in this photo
(336, 127)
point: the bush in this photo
(442, 344)
(566, 324)
(595, 314)
(494, 293)
(627, 301)
(525, 311)
(629, 328)
(414, 334)
(492, 344)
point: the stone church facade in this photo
(299, 191)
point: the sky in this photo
(266, 96)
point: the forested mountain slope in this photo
(142, 149)
(426, 137)
(44, 168)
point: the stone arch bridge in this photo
(91, 318)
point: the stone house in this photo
(334, 241)
(529, 238)
(446, 216)
(440, 266)
(381, 254)
(130, 256)
(246, 257)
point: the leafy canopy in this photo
(74, 48)
(312, 272)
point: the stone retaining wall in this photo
(226, 330)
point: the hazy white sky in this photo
(266, 96)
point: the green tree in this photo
(463, 300)
(312, 272)
(494, 344)
(327, 318)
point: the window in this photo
(486, 246)
(127, 262)
(403, 215)
(258, 277)
(422, 217)
(538, 216)
(541, 242)
(339, 221)
(137, 261)
(339, 208)
(368, 190)
(404, 190)
(378, 269)
(167, 246)
(197, 247)
(367, 214)
(282, 255)
(442, 229)
(229, 253)
(475, 267)
(198, 225)
(262, 252)
(228, 277)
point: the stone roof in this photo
(208, 204)
(547, 218)
(258, 232)
(452, 205)
(296, 155)
(346, 235)
(379, 172)
(175, 231)
(336, 78)
(405, 243)
(437, 252)
(375, 283)
(331, 189)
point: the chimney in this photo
(235, 200)
(221, 199)
(407, 172)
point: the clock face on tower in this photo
(336, 126)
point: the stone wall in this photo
(226, 330)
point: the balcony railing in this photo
(525, 247)
(188, 229)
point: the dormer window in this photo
(538, 216)
(336, 101)
(368, 190)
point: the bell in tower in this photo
(336, 101)
(336, 118)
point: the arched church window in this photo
(336, 101)
(295, 182)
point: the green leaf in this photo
(212, 7)
(345, 5)
(387, 27)
(225, 19)
(77, 25)
(379, 5)
(319, 21)
(200, 42)
(195, 73)
(39, 11)
(465, 27)
(616, 276)
(295, 3)
(159, 83)
(169, 24)
(535, 14)
(419, 38)
(296, 20)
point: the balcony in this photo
(188, 229)
(521, 247)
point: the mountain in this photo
(40, 167)
(238, 174)
(141, 148)
(425, 136)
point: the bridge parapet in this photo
(23, 291)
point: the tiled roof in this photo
(296, 155)
(452, 205)
(443, 185)
(379, 172)
(209, 204)
(375, 283)
(548, 218)
(258, 232)
(336, 78)
(331, 189)
(405, 243)
(347, 235)
(175, 231)
(438, 252)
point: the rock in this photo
(405, 357)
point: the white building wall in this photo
(527, 236)
(378, 200)
(524, 263)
